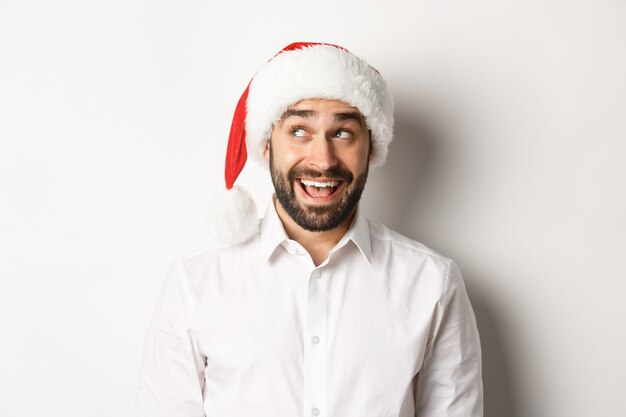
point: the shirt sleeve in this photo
(449, 384)
(172, 372)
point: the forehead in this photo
(322, 109)
(322, 104)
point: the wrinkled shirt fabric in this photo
(382, 328)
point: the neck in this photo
(317, 244)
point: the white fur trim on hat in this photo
(318, 71)
(232, 217)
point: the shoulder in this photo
(408, 254)
(195, 266)
(386, 237)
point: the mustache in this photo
(334, 172)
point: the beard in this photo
(318, 218)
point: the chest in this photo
(352, 324)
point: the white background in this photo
(508, 157)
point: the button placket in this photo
(314, 352)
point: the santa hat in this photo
(301, 70)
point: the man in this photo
(317, 312)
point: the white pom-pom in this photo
(232, 217)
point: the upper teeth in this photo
(319, 184)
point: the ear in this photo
(371, 150)
(266, 150)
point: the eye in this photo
(298, 132)
(343, 134)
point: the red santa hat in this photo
(301, 70)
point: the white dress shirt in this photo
(382, 328)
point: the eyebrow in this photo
(299, 113)
(340, 117)
(350, 116)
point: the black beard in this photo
(318, 218)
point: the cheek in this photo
(357, 161)
(285, 157)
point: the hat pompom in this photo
(233, 217)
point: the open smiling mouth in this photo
(320, 189)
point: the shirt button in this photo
(315, 340)
(315, 274)
(315, 411)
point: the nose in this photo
(322, 154)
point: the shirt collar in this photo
(272, 231)
(273, 234)
(359, 233)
